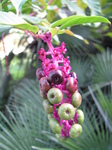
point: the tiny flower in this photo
(66, 60)
(57, 55)
(42, 54)
(46, 64)
(47, 37)
(66, 68)
(63, 48)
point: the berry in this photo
(48, 107)
(55, 127)
(71, 84)
(50, 116)
(43, 95)
(60, 138)
(74, 75)
(56, 76)
(44, 85)
(39, 73)
(66, 111)
(76, 99)
(75, 130)
(80, 116)
(55, 95)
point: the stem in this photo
(34, 13)
(50, 46)
(50, 2)
(6, 58)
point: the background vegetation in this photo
(23, 123)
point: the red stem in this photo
(6, 57)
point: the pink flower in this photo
(63, 48)
(52, 66)
(57, 55)
(47, 37)
(46, 64)
(66, 68)
(42, 54)
(66, 60)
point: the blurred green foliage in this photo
(23, 123)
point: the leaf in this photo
(10, 19)
(84, 19)
(43, 3)
(27, 27)
(102, 67)
(27, 119)
(4, 28)
(72, 6)
(18, 3)
(76, 20)
(94, 6)
(32, 19)
(81, 4)
(61, 21)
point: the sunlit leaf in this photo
(84, 19)
(77, 20)
(13, 20)
(18, 3)
(43, 3)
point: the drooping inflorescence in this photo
(59, 89)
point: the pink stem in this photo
(50, 2)
(34, 13)
(6, 57)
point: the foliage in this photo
(23, 123)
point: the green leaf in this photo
(27, 27)
(43, 3)
(61, 21)
(10, 19)
(76, 20)
(72, 6)
(4, 28)
(84, 19)
(82, 4)
(18, 3)
(102, 67)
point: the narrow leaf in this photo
(61, 21)
(84, 19)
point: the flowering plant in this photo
(59, 89)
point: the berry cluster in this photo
(59, 89)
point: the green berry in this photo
(55, 127)
(60, 138)
(55, 95)
(50, 116)
(76, 99)
(48, 107)
(80, 117)
(75, 130)
(66, 111)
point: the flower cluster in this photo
(59, 89)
